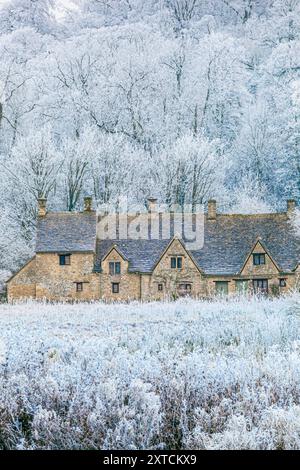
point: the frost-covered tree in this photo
(183, 98)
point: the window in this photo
(260, 285)
(184, 289)
(176, 262)
(221, 287)
(115, 287)
(282, 282)
(79, 286)
(160, 287)
(64, 260)
(114, 268)
(259, 258)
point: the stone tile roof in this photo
(141, 254)
(227, 242)
(229, 239)
(66, 232)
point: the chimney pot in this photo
(291, 205)
(88, 204)
(42, 206)
(212, 209)
(152, 201)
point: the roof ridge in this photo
(271, 214)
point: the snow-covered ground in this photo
(188, 374)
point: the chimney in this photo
(42, 209)
(152, 201)
(212, 209)
(290, 206)
(87, 204)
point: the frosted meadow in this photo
(187, 374)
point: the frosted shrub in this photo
(187, 374)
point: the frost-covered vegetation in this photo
(188, 374)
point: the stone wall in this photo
(172, 278)
(268, 268)
(129, 283)
(23, 284)
(55, 282)
(44, 278)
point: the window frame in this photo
(64, 256)
(113, 271)
(260, 289)
(178, 262)
(117, 285)
(261, 257)
(282, 282)
(184, 288)
(77, 286)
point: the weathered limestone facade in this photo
(241, 254)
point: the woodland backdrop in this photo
(178, 99)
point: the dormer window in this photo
(176, 262)
(259, 258)
(114, 268)
(65, 260)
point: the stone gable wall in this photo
(23, 284)
(129, 283)
(171, 278)
(264, 269)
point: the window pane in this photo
(79, 286)
(179, 263)
(111, 268)
(115, 288)
(160, 287)
(260, 285)
(117, 267)
(259, 258)
(67, 259)
(173, 263)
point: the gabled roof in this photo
(227, 243)
(229, 239)
(141, 254)
(117, 249)
(66, 231)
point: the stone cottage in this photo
(240, 254)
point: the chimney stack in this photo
(291, 205)
(42, 206)
(87, 204)
(212, 209)
(152, 202)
